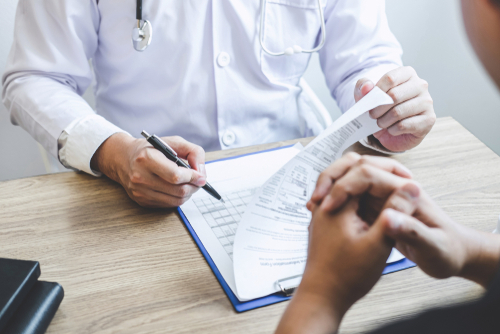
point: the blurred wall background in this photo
(434, 43)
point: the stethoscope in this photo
(142, 34)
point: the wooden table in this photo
(126, 269)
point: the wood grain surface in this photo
(126, 269)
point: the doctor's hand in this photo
(346, 258)
(148, 177)
(406, 123)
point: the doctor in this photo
(207, 77)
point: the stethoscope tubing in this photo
(289, 51)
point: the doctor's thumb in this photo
(363, 87)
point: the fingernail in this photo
(201, 181)
(202, 170)
(395, 219)
(363, 85)
(410, 191)
(313, 194)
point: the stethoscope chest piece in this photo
(141, 35)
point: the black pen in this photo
(171, 155)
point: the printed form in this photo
(260, 234)
(272, 237)
(236, 180)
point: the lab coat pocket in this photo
(288, 23)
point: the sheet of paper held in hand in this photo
(269, 190)
(272, 237)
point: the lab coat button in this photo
(228, 138)
(223, 59)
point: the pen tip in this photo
(222, 201)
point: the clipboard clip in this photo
(289, 285)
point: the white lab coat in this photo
(204, 77)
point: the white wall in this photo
(19, 155)
(434, 42)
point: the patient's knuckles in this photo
(340, 188)
(352, 157)
(411, 232)
(365, 171)
(363, 161)
(399, 203)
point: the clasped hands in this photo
(362, 207)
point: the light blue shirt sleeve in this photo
(358, 44)
(47, 72)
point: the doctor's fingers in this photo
(158, 164)
(395, 84)
(149, 198)
(138, 181)
(360, 180)
(194, 154)
(406, 91)
(338, 169)
(418, 126)
(396, 77)
(415, 106)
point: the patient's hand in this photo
(442, 248)
(367, 167)
(345, 259)
(422, 230)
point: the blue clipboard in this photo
(274, 298)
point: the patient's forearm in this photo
(318, 306)
(484, 258)
(308, 314)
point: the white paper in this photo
(272, 237)
(236, 180)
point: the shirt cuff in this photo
(376, 146)
(80, 140)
